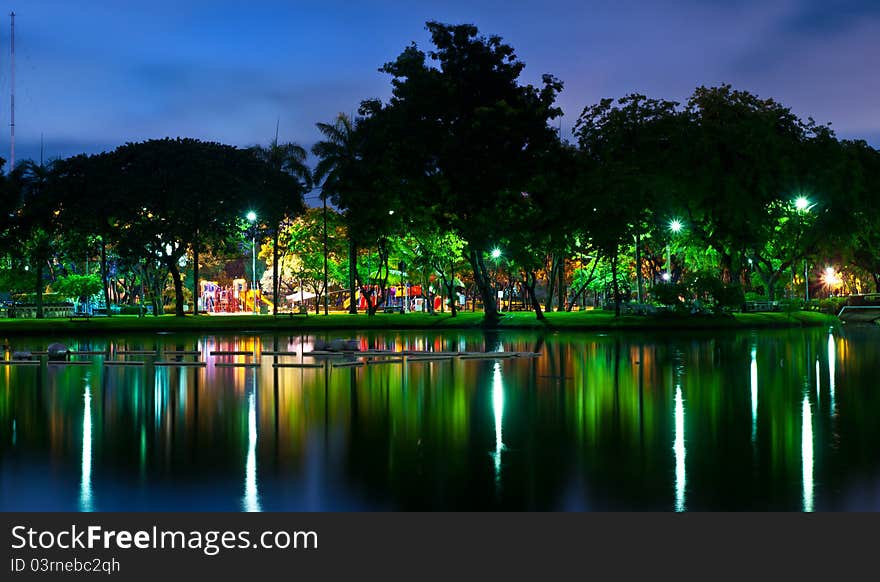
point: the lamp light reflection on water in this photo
(251, 495)
(753, 375)
(679, 448)
(807, 453)
(85, 486)
(498, 410)
(832, 356)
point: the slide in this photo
(249, 301)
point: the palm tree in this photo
(289, 158)
(337, 154)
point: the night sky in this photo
(91, 75)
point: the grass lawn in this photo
(587, 320)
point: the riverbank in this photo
(578, 321)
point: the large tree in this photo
(287, 178)
(467, 135)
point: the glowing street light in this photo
(675, 226)
(252, 218)
(496, 254)
(802, 204)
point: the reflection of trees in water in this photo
(593, 418)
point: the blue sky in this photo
(93, 74)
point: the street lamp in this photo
(252, 218)
(496, 254)
(802, 205)
(675, 226)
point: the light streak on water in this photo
(251, 494)
(807, 453)
(498, 410)
(753, 375)
(832, 357)
(680, 453)
(85, 484)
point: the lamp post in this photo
(802, 205)
(252, 218)
(675, 227)
(496, 254)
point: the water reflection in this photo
(753, 381)
(85, 487)
(678, 447)
(498, 412)
(807, 453)
(251, 495)
(588, 424)
(832, 357)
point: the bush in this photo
(832, 305)
(730, 297)
(669, 294)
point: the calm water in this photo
(783, 420)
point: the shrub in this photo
(669, 294)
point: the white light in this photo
(251, 497)
(807, 453)
(498, 410)
(496, 253)
(390, 213)
(832, 356)
(680, 452)
(666, 276)
(801, 203)
(252, 216)
(85, 484)
(754, 384)
(675, 225)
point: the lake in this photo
(690, 421)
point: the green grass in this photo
(589, 320)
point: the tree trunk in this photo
(551, 283)
(484, 286)
(39, 275)
(196, 288)
(178, 288)
(616, 285)
(276, 270)
(105, 277)
(560, 286)
(640, 280)
(531, 282)
(352, 277)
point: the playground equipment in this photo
(248, 299)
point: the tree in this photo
(466, 136)
(339, 156)
(36, 220)
(77, 287)
(630, 148)
(179, 195)
(283, 197)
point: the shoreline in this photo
(576, 322)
